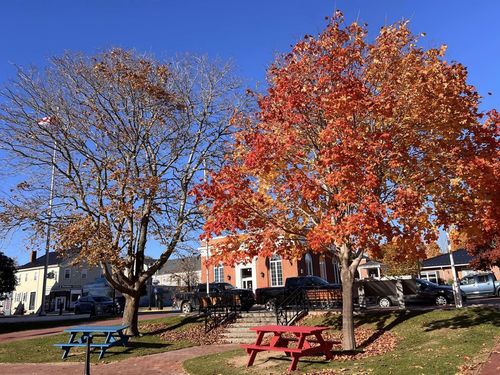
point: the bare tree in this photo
(131, 137)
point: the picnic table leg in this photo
(295, 361)
(109, 337)
(253, 352)
(123, 337)
(68, 348)
(326, 347)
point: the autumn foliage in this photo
(356, 144)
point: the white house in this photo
(64, 283)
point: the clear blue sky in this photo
(249, 32)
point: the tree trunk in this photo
(348, 339)
(130, 314)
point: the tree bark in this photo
(130, 314)
(348, 339)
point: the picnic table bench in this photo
(304, 336)
(114, 336)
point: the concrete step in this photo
(239, 323)
(240, 340)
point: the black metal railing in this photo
(302, 300)
(292, 307)
(219, 310)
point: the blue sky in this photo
(250, 33)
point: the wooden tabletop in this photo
(293, 329)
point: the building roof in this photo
(181, 265)
(460, 257)
(40, 261)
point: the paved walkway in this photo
(492, 366)
(33, 333)
(163, 363)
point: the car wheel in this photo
(186, 308)
(440, 300)
(498, 293)
(271, 305)
(384, 302)
(77, 311)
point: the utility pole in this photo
(206, 243)
(47, 121)
(457, 294)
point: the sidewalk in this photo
(33, 333)
(492, 365)
(155, 364)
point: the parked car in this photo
(95, 305)
(271, 297)
(189, 301)
(480, 285)
(425, 292)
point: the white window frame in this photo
(322, 267)
(219, 273)
(309, 265)
(84, 273)
(426, 275)
(67, 273)
(276, 270)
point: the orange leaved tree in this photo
(357, 144)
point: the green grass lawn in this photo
(429, 342)
(7, 327)
(42, 349)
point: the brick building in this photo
(270, 271)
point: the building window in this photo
(32, 301)
(276, 269)
(67, 273)
(322, 267)
(309, 264)
(84, 274)
(431, 276)
(219, 274)
(336, 271)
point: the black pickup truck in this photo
(271, 297)
(189, 301)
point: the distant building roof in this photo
(181, 265)
(40, 261)
(460, 257)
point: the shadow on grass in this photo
(382, 320)
(466, 319)
(383, 324)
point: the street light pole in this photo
(456, 288)
(48, 121)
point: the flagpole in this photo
(47, 121)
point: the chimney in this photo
(33, 256)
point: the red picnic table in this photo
(304, 336)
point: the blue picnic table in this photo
(81, 336)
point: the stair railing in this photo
(292, 307)
(219, 310)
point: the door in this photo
(60, 300)
(246, 278)
(484, 285)
(468, 285)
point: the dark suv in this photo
(95, 305)
(425, 292)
